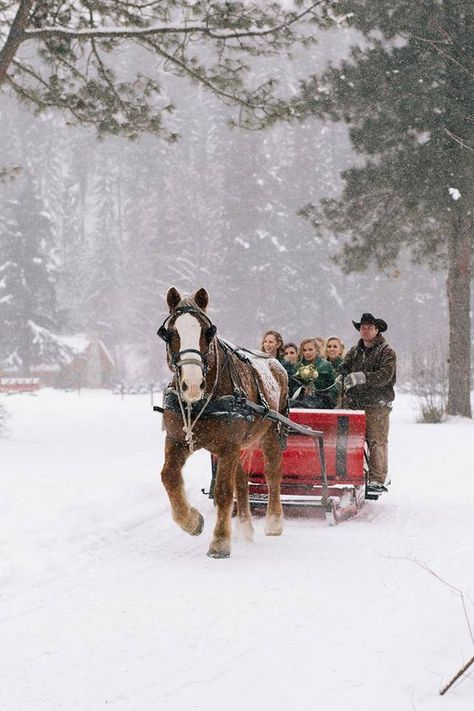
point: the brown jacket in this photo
(379, 363)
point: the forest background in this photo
(114, 223)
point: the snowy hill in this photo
(105, 603)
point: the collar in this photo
(378, 340)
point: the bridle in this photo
(177, 360)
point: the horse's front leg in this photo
(244, 527)
(224, 498)
(187, 517)
(273, 456)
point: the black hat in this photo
(368, 318)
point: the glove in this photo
(354, 379)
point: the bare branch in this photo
(459, 140)
(462, 671)
(460, 594)
(438, 50)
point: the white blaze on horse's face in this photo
(192, 380)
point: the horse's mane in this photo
(187, 300)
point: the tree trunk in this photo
(459, 300)
(15, 37)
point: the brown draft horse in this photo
(207, 374)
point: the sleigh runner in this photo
(323, 464)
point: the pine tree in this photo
(101, 297)
(407, 96)
(70, 56)
(28, 313)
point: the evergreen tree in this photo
(28, 314)
(102, 311)
(69, 56)
(408, 97)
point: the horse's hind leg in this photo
(243, 526)
(273, 456)
(224, 498)
(187, 517)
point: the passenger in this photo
(272, 344)
(289, 362)
(290, 353)
(315, 378)
(321, 343)
(335, 351)
(370, 373)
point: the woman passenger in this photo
(335, 351)
(316, 378)
(272, 344)
(321, 343)
(290, 353)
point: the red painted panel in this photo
(344, 436)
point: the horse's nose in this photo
(194, 390)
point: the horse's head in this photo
(188, 333)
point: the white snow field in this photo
(106, 604)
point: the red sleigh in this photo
(333, 478)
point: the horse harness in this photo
(176, 360)
(229, 407)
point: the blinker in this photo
(164, 333)
(210, 333)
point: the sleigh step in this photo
(373, 493)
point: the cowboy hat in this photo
(369, 318)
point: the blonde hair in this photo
(341, 344)
(322, 343)
(304, 342)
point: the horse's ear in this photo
(173, 298)
(201, 298)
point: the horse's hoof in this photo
(274, 526)
(243, 531)
(218, 554)
(200, 525)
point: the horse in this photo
(215, 401)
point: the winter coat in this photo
(321, 392)
(336, 363)
(379, 363)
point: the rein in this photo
(188, 423)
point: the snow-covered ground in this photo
(105, 603)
